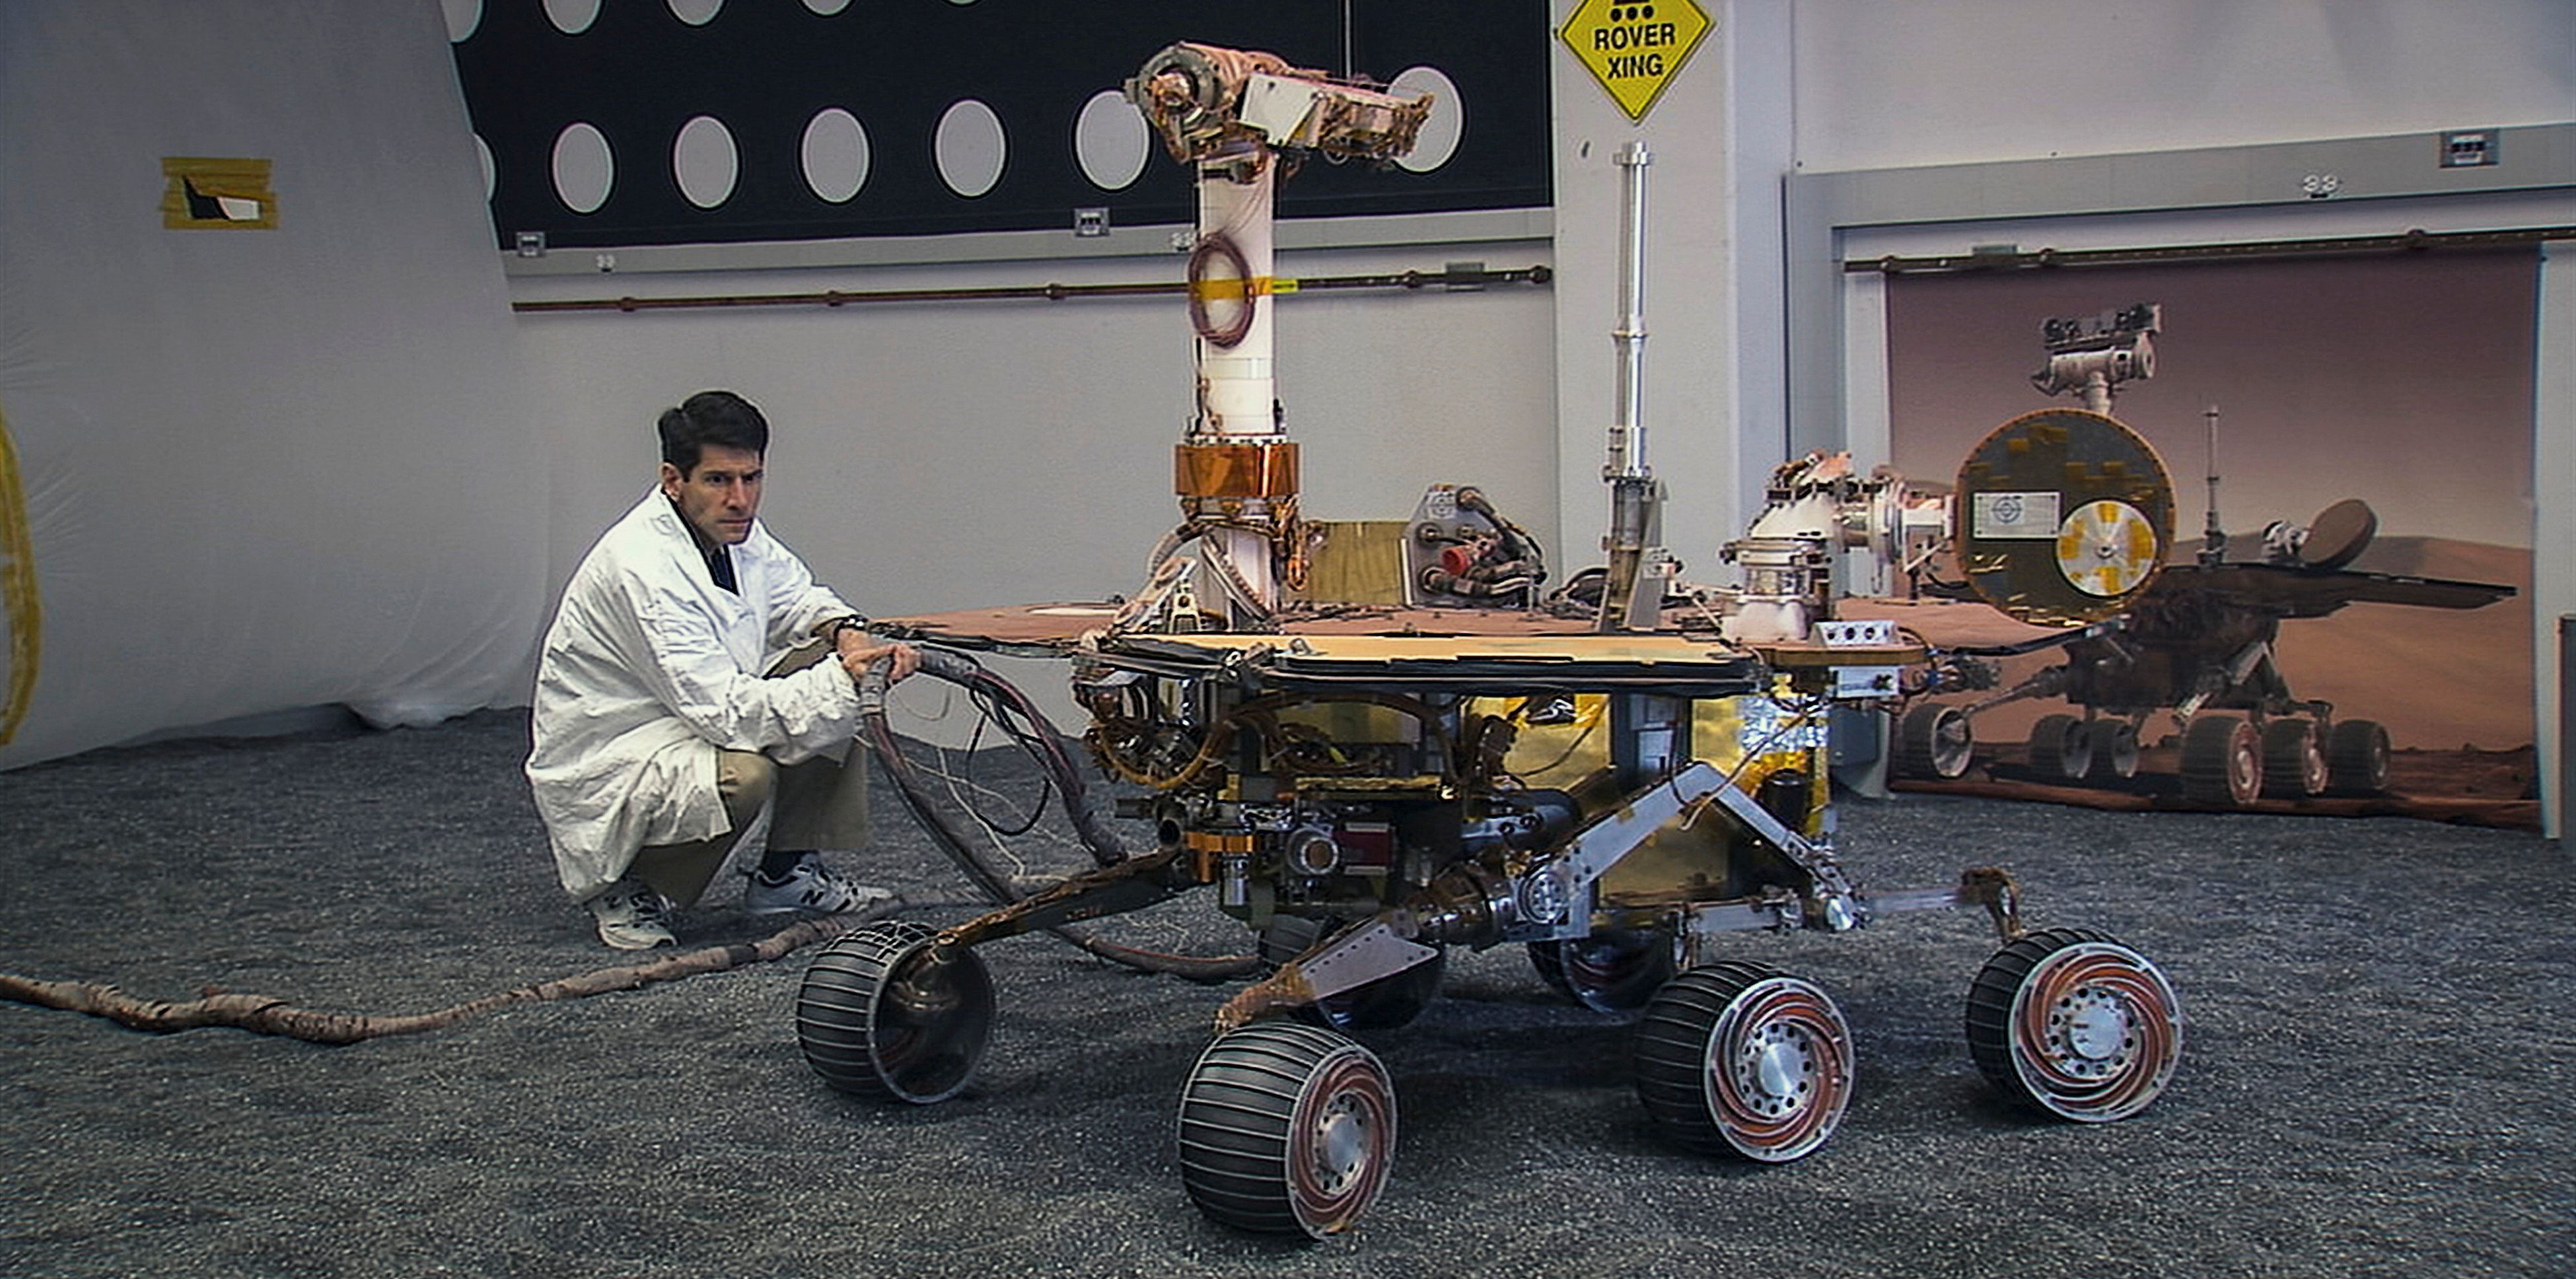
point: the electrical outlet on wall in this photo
(2468, 148)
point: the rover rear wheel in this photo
(2357, 757)
(1744, 1057)
(1286, 1128)
(887, 1013)
(2115, 749)
(2073, 1023)
(2294, 762)
(1610, 971)
(2060, 748)
(1383, 1004)
(1934, 741)
(2222, 761)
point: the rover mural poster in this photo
(2403, 380)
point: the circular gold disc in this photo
(2106, 548)
(2062, 517)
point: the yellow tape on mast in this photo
(17, 590)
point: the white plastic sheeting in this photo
(256, 470)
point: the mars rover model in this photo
(1615, 777)
(2193, 640)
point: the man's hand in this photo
(858, 653)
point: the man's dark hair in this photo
(711, 417)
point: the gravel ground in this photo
(2375, 1080)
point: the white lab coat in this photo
(650, 667)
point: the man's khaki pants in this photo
(821, 804)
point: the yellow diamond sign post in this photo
(1635, 50)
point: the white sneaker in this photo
(810, 886)
(632, 917)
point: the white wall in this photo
(1883, 85)
(944, 455)
(263, 470)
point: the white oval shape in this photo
(835, 155)
(704, 161)
(970, 148)
(827, 8)
(696, 13)
(572, 17)
(491, 174)
(463, 16)
(1110, 140)
(584, 168)
(1438, 139)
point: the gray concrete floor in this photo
(2375, 1081)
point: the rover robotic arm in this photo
(1240, 119)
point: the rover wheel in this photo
(1608, 972)
(2060, 748)
(2222, 761)
(2115, 749)
(2357, 757)
(1934, 741)
(2074, 1023)
(2294, 762)
(1383, 1004)
(1286, 1128)
(1744, 1057)
(887, 1013)
(1549, 963)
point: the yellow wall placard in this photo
(204, 193)
(1635, 50)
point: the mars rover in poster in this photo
(2197, 645)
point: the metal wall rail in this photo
(2250, 251)
(1458, 277)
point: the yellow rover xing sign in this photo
(1634, 50)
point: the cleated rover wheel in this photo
(1741, 1056)
(2061, 748)
(1608, 972)
(2357, 757)
(2294, 762)
(1934, 741)
(2222, 761)
(2115, 749)
(884, 1014)
(1286, 1128)
(2075, 1024)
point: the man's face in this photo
(720, 495)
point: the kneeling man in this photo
(683, 686)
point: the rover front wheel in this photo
(888, 1013)
(1934, 741)
(2073, 1023)
(1286, 1128)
